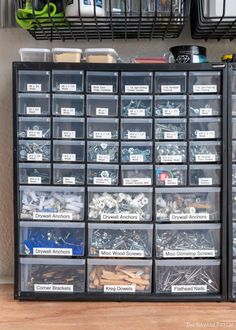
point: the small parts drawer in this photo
(51, 203)
(181, 277)
(119, 276)
(204, 82)
(188, 240)
(110, 240)
(33, 104)
(64, 81)
(58, 276)
(119, 204)
(187, 204)
(34, 81)
(51, 239)
(170, 82)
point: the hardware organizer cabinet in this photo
(120, 177)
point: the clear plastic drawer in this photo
(136, 82)
(205, 152)
(205, 106)
(67, 105)
(67, 81)
(119, 204)
(102, 105)
(69, 174)
(51, 203)
(59, 276)
(34, 150)
(170, 82)
(187, 277)
(205, 175)
(136, 152)
(114, 241)
(51, 239)
(188, 241)
(207, 129)
(100, 174)
(34, 173)
(119, 276)
(34, 81)
(170, 105)
(34, 128)
(102, 152)
(140, 175)
(204, 82)
(171, 152)
(171, 175)
(170, 129)
(68, 151)
(65, 128)
(136, 106)
(136, 129)
(100, 129)
(188, 204)
(102, 82)
(33, 104)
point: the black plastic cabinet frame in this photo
(62, 149)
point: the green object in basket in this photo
(25, 17)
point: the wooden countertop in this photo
(15, 315)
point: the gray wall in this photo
(10, 41)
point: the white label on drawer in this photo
(136, 112)
(67, 87)
(33, 110)
(102, 88)
(68, 180)
(189, 253)
(136, 135)
(171, 135)
(205, 158)
(205, 181)
(52, 216)
(102, 111)
(34, 134)
(136, 158)
(68, 157)
(205, 111)
(171, 181)
(120, 217)
(52, 252)
(68, 111)
(204, 88)
(137, 181)
(34, 180)
(122, 253)
(171, 159)
(102, 135)
(189, 217)
(102, 181)
(170, 88)
(34, 87)
(206, 134)
(68, 134)
(170, 112)
(103, 158)
(136, 89)
(119, 288)
(53, 288)
(188, 288)
(35, 157)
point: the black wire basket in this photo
(102, 19)
(215, 19)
